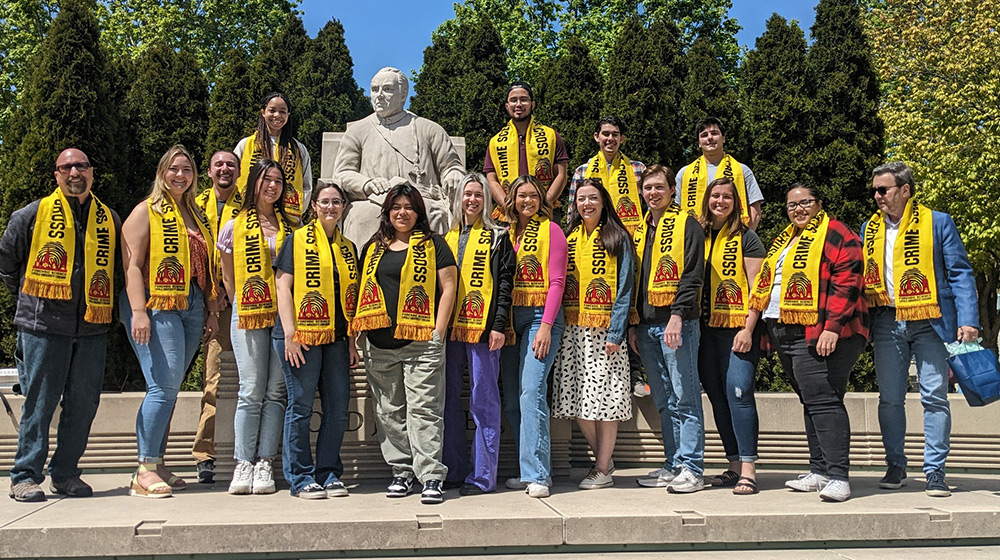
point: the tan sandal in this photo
(155, 490)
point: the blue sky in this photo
(401, 31)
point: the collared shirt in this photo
(891, 232)
(581, 173)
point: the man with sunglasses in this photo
(920, 284)
(57, 258)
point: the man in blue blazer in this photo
(955, 316)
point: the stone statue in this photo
(390, 147)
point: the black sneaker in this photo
(312, 491)
(894, 479)
(336, 489)
(206, 471)
(471, 490)
(399, 487)
(432, 493)
(936, 486)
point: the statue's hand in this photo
(397, 180)
(451, 183)
(377, 186)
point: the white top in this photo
(307, 175)
(225, 243)
(891, 232)
(773, 310)
(753, 189)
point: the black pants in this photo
(820, 382)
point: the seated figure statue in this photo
(390, 147)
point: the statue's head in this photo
(388, 92)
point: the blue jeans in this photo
(326, 368)
(524, 392)
(174, 339)
(51, 368)
(260, 403)
(674, 386)
(728, 380)
(895, 343)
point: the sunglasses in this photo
(80, 166)
(882, 190)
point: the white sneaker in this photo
(242, 478)
(596, 479)
(640, 389)
(263, 477)
(659, 478)
(514, 483)
(811, 482)
(536, 490)
(686, 482)
(835, 491)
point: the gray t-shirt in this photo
(753, 189)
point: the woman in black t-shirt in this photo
(730, 333)
(408, 284)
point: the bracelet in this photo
(138, 309)
(214, 314)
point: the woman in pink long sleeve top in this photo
(537, 326)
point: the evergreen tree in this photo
(846, 132)
(230, 114)
(645, 87)
(707, 93)
(323, 90)
(569, 99)
(271, 69)
(167, 105)
(68, 101)
(776, 117)
(462, 84)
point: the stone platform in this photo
(206, 521)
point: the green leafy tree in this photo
(527, 31)
(231, 103)
(271, 69)
(569, 97)
(206, 28)
(707, 93)
(776, 116)
(846, 132)
(325, 94)
(67, 101)
(167, 105)
(938, 63)
(645, 86)
(23, 24)
(601, 21)
(462, 83)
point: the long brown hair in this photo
(614, 237)
(735, 220)
(544, 208)
(385, 232)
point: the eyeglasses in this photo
(80, 166)
(330, 202)
(804, 204)
(882, 190)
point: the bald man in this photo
(57, 258)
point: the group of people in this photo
(652, 267)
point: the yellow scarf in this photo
(170, 257)
(625, 191)
(728, 287)
(916, 288)
(589, 265)
(291, 167)
(531, 280)
(207, 201)
(540, 147)
(315, 258)
(799, 303)
(475, 286)
(667, 256)
(256, 301)
(417, 286)
(53, 243)
(696, 182)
